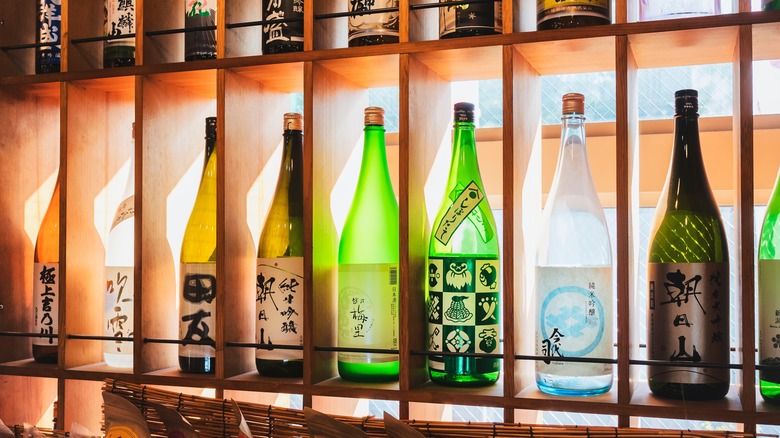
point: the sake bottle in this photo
(463, 293)
(471, 19)
(769, 298)
(574, 292)
(282, 37)
(119, 20)
(368, 29)
(279, 302)
(49, 29)
(688, 273)
(46, 282)
(198, 271)
(200, 44)
(120, 280)
(368, 266)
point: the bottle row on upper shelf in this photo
(688, 285)
(369, 23)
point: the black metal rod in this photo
(356, 350)
(28, 46)
(102, 38)
(263, 22)
(768, 367)
(567, 359)
(264, 346)
(29, 335)
(354, 14)
(180, 30)
(177, 341)
(449, 3)
(100, 338)
(451, 353)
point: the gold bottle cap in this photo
(573, 103)
(375, 116)
(293, 122)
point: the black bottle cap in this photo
(464, 112)
(211, 127)
(686, 102)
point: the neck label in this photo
(463, 205)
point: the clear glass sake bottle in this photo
(120, 280)
(463, 293)
(688, 273)
(198, 272)
(279, 302)
(769, 298)
(368, 266)
(46, 282)
(574, 291)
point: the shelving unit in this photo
(78, 119)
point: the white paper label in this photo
(46, 297)
(279, 306)
(197, 309)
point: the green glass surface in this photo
(476, 237)
(773, 5)
(688, 229)
(370, 237)
(769, 249)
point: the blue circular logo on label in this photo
(571, 321)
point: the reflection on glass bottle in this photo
(665, 9)
(287, 36)
(198, 272)
(574, 292)
(119, 20)
(279, 300)
(49, 29)
(688, 272)
(769, 297)
(368, 273)
(200, 44)
(463, 293)
(557, 14)
(471, 19)
(369, 29)
(46, 282)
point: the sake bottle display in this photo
(574, 291)
(120, 283)
(688, 273)
(463, 293)
(49, 29)
(665, 9)
(282, 37)
(556, 14)
(198, 271)
(769, 298)
(368, 266)
(372, 28)
(279, 301)
(46, 282)
(471, 19)
(119, 20)
(200, 44)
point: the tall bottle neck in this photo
(374, 163)
(687, 185)
(211, 143)
(464, 156)
(573, 151)
(291, 172)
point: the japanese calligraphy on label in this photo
(198, 305)
(46, 293)
(120, 20)
(372, 24)
(49, 28)
(469, 16)
(461, 208)
(574, 305)
(464, 309)
(368, 311)
(119, 309)
(769, 315)
(282, 10)
(547, 9)
(688, 318)
(279, 305)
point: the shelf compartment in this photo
(582, 55)
(684, 47)
(27, 398)
(19, 28)
(461, 64)
(644, 403)
(253, 381)
(765, 39)
(430, 392)
(532, 398)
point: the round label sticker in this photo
(566, 313)
(120, 432)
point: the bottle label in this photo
(279, 305)
(197, 309)
(574, 307)
(120, 20)
(49, 28)
(118, 309)
(372, 24)
(688, 319)
(46, 295)
(549, 9)
(126, 210)
(368, 311)
(464, 309)
(283, 32)
(464, 205)
(470, 16)
(200, 13)
(769, 316)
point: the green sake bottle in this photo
(769, 298)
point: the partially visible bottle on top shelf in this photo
(557, 14)
(49, 29)
(769, 298)
(119, 20)
(471, 19)
(771, 5)
(46, 282)
(120, 280)
(664, 9)
(198, 271)
(282, 37)
(372, 28)
(200, 44)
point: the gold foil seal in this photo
(375, 116)
(293, 122)
(573, 103)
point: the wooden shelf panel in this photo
(369, 71)
(31, 368)
(583, 55)
(728, 409)
(286, 78)
(253, 381)
(765, 40)
(461, 64)
(684, 47)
